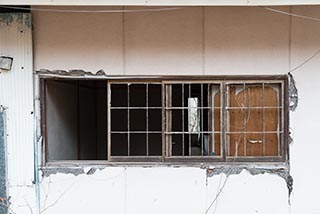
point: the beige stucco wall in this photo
(195, 40)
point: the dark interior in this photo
(76, 115)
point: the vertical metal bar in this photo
(168, 122)
(244, 121)
(147, 118)
(201, 118)
(263, 123)
(183, 119)
(164, 119)
(225, 120)
(281, 118)
(188, 122)
(78, 120)
(109, 119)
(210, 107)
(128, 115)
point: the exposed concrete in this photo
(293, 93)
(77, 73)
(232, 170)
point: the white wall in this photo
(16, 94)
(304, 122)
(219, 41)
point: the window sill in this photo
(103, 164)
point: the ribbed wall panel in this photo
(16, 94)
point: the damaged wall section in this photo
(3, 164)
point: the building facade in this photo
(171, 109)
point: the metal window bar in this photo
(223, 118)
(210, 140)
(147, 119)
(182, 119)
(128, 115)
(164, 116)
(263, 123)
(244, 121)
(201, 119)
(190, 138)
(280, 119)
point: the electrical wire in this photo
(299, 16)
(305, 62)
(93, 11)
(292, 14)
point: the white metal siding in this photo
(16, 94)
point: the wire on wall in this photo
(292, 14)
(93, 11)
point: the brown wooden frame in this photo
(176, 79)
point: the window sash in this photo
(224, 84)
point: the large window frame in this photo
(166, 157)
(224, 82)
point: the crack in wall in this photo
(282, 172)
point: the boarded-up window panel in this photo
(272, 118)
(236, 121)
(248, 115)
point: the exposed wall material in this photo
(72, 72)
(22, 19)
(293, 93)
(231, 170)
(16, 93)
(3, 165)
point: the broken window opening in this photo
(75, 114)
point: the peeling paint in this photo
(46, 172)
(293, 93)
(282, 172)
(71, 72)
(23, 19)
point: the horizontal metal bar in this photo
(254, 159)
(266, 132)
(173, 108)
(133, 108)
(194, 159)
(203, 132)
(254, 107)
(135, 158)
(136, 132)
(240, 82)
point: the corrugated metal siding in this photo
(3, 166)
(16, 94)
